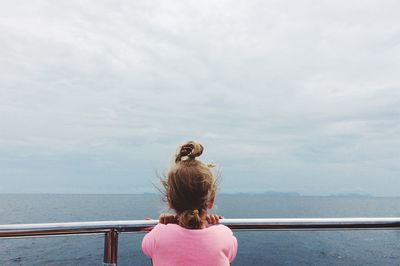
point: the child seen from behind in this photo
(192, 236)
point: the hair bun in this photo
(191, 149)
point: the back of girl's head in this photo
(189, 185)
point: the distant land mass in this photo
(266, 193)
(298, 194)
(351, 194)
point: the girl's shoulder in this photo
(220, 228)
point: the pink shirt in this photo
(172, 244)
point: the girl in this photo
(188, 238)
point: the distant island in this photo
(351, 194)
(273, 193)
(266, 193)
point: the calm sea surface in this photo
(255, 248)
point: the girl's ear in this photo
(211, 202)
(168, 200)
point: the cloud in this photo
(284, 90)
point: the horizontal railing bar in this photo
(46, 229)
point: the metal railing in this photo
(111, 229)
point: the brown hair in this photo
(189, 185)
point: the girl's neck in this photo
(203, 220)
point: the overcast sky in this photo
(302, 96)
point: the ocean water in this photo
(360, 247)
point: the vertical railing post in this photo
(110, 248)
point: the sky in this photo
(297, 96)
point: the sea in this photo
(358, 247)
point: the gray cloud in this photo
(288, 95)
